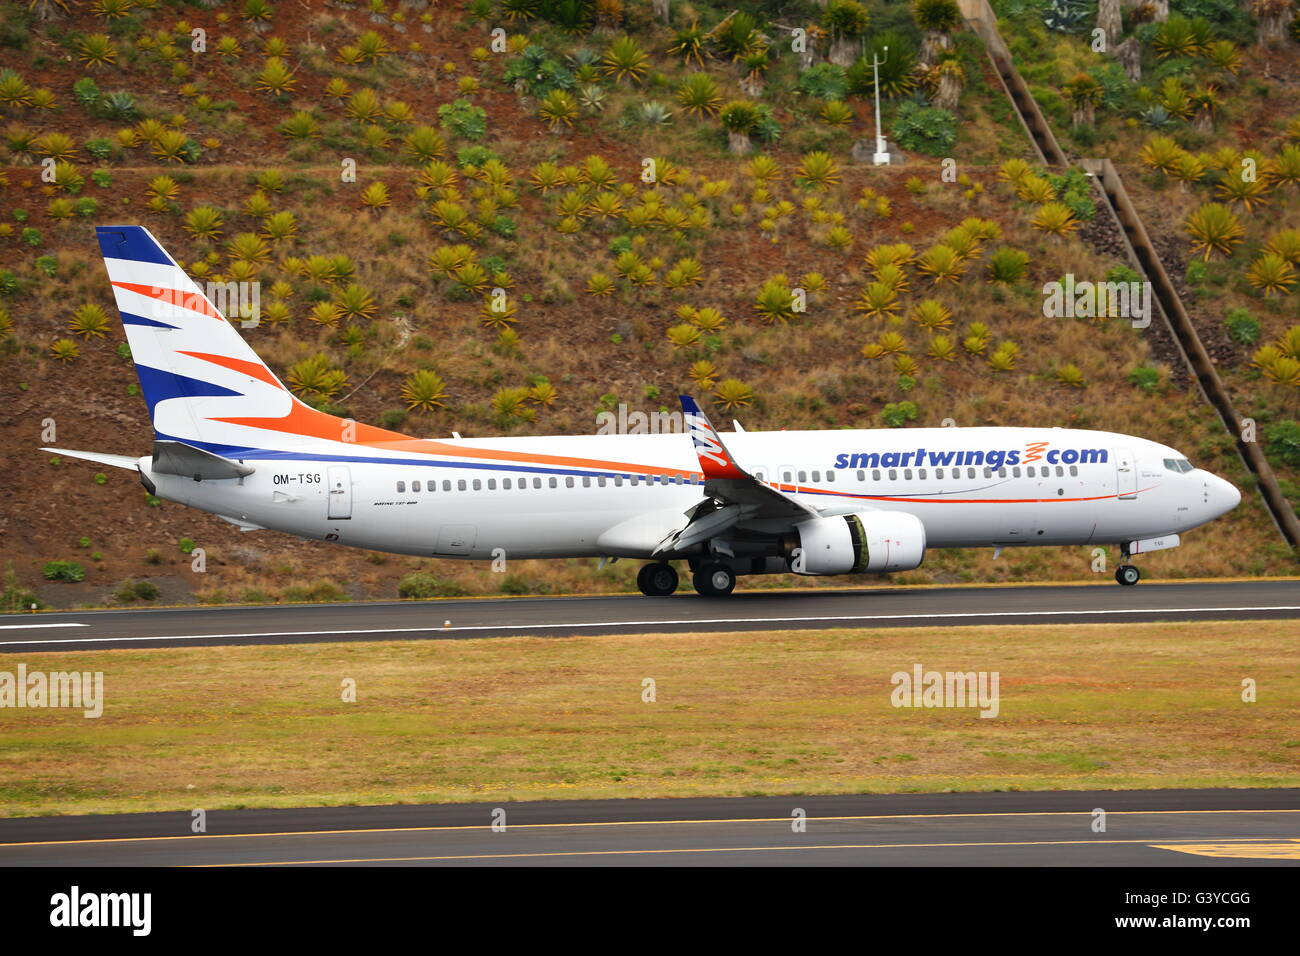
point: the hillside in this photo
(645, 194)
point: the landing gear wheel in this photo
(1127, 575)
(714, 580)
(657, 580)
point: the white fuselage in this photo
(619, 495)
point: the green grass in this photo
(1090, 707)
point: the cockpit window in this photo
(1180, 465)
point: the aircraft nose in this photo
(1222, 495)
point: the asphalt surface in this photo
(626, 614)
(1142, 828)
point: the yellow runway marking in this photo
(1289, 850)
(629, 823)
(720, 849)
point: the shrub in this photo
(69, 571)
(898, 414)
(419, 585)
(1242, 327)
(1283, 442)
(925, 129)
(462, 118)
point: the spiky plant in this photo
(375, 196)
(683, 336)
(941, 347)
(732, 393)
(1214, 228)
(276, 77)
(1161, 153)
(1284, 168)
(497, 312)
(877, 300)
(942, 264)
(89, 321)
(279, 226)
(599, 284)
(688, 44)
(301, 125)
(248, 246)
(65, 350)
(698, 95)
(1286, 244)
(204, 222)
(703, 373)
(315, 377)
(14, 90)
(1271, 273)
(818, 170)
(775, 301)
(96, 50)
(626, 59)
(364, 105)
(1070, 376)
(558, 109)
(931, 314)
(837, 113)
(1055, 218)
(1007, 265)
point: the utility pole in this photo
(882, 150)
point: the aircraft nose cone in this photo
(1223, 495)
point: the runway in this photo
(1188, 828)
(624, 614)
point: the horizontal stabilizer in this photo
(117, 461)
(178, 458)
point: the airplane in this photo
(231, 439)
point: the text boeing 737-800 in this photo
(230, 439)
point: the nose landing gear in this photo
(1128, 575)
(657, 580)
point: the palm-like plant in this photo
(698, 94)
(280, 225)
(703, 373)
(1180, 37)
(941, 347)
(65, 350)
(1214, 228)
(1007, 265)
(249, 247)
(1284, 168)
(424, 390)
(775, 300)
(740, 118)
(931, 314)
(817, 170)
(276, 77)
(89, 321)
(1271, 273)
(204, 222)
(688, 44)
(936, 19)
(1083, 93)
(626, 59)
(96, 50)
(558, 108)
(14, 90)
(354, 302)
(1055, 218)
(941, 263)
(1160, 153)
(877, 300)
(316, 377)
(1286, 244)
(732, 393)
(1237, 188)
(301, 125)
(375, 196)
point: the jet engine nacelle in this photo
(859, 543)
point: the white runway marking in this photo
(23, 627)
(690, 621)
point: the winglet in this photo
(715, 460)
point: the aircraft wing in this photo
(732, 494)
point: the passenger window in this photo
(921, 474)
(830, 477)
(1074, 471)
(586, 481)
(537, 482)
(875, 474)
(787, 477)
(893, 475)
(618, 481)
(478, 485)
(492, 484)
(988, 472)
(1060, 472)
(1002, 472)
(401, 487)
(460, 484)
(803, 476)
(817, 477)
(1015, 471)
(907, 474)
(970, 472)
(938, 473)
(553, 483)
(415, 486)
(862, 475)
(446, 486)
(568, 482)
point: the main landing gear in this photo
(710, 579)
(657, 580)
(714, 580)
(1127, 575)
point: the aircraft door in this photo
(340, 492)
(1126, 474)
